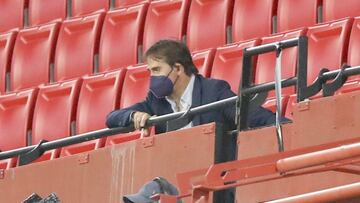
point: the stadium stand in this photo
(60, 79)
(337, 9)
(121, 37)
(203, 60)
(165, 19)
(77, 44)
(252, 19)
(11, 14)
(296, 14)
(7, 41)
(208, 22)
(43, 11)
(84, 7)
(33, 53)
(228, 63)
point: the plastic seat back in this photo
(11, 14)
(124, 3)
(33, 53)
(43, 11)
(165, 20)
(99, 96)
(296, 14)
(77, 44)
(228, 63)
(207, 24)
(60, 100)
(337, 9)
(83, 7)
(7, 41)
(252, 19)
(121, 36)
(327, 46)
(16, 112)
(203, 60)
(137, 80)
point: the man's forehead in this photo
(155, 62)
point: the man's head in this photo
(170, 65)
(173, 53)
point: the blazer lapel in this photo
(196, 99)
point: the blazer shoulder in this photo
(214, 84)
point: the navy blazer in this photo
(206, 90)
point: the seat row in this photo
(23, 13)
(100, 42)
(247, 18)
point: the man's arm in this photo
(257, 117)
(122, 117)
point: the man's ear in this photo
(179, 68)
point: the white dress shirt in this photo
(185, 100)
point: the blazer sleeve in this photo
(121, 117)
(257, 117)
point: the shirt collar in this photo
(186, 98)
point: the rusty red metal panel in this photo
(104, 175)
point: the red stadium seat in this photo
(7, 41)
(99, 95)
(121, 36)
(123, 3)
(165, 19)
(60, 100)
(11, 14)
(295, 14)
(228, 63)
(252, 19)
(354, 47)
(16, 111)
(136, 80)
(203, 60)
(83, 7)
(33, 53)
(208, 23)
(337, 9)
(327, 46)
(265, 71)
(77, 44)
(43, 11)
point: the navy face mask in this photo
(161, 86)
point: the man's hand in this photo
(139, 119)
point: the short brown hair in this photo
(172, 51)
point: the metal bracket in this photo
(32, 155)
(147, 142)
(330, 88)
(316, 86)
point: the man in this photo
(175, 85)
